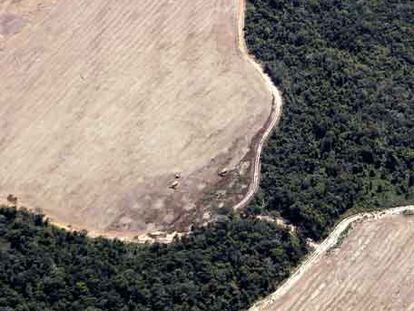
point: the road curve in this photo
(276, 105)
(320, 250)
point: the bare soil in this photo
(372, 269)
(103, 102)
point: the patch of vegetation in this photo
(341, 238)
(346, 139)
(408, 213)
(224, 266)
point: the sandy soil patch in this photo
(373, 269)
(103, 102)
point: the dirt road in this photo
(276, 106)
(320, 251)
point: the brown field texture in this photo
(103, 102)
(373, 269)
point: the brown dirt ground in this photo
(102, 102)
(373, 269)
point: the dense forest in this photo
(346, 141)
(224, 266)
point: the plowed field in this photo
(373, 269)
(104, 102)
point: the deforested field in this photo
(104, 104)
(373, 269)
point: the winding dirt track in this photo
(276, 107)
(289, 285)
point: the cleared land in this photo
(103, 102)
(373, 269)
